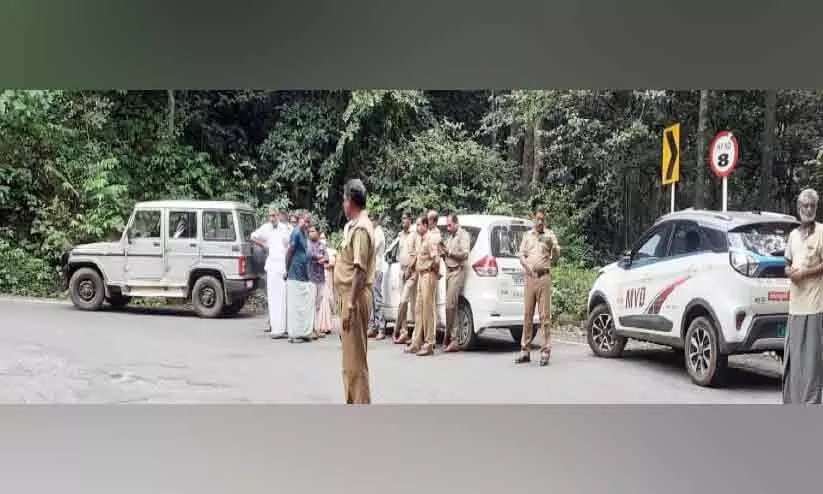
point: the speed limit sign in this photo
(723, 153)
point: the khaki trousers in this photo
(425, 315)
(355, 346)
(538, 295)
(455, 281)
(407, 300)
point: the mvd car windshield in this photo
(765, 239)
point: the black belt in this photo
(452, 270)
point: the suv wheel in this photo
(466, 337)
(235, 307)
(118, 301)
(87, 290)
(706, 366)
(207, 297)
(603, 340)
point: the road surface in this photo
(53, 353)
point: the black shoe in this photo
(281, 336)
(523, 359)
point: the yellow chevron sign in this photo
(671, 155)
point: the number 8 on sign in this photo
(723, 153)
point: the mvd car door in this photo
(643, 275)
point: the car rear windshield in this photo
(506, 239)
(247, 226)
(765, 239)
(472, 231)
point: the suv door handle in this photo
(156, 244)
(192, 244)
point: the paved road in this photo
(52, 353)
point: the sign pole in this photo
(725, 194)
(672, 208)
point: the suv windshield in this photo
(247, 226)
(765, 239)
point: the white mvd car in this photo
(493, 294)
(710, 283)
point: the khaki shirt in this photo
(539, 249)
(406, 248)
(357, 250)
(805, 297)
(428, 252)
(458, 244)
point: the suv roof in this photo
(482, 220)
(185, 203)
(727, 220)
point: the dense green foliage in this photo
(73, 163)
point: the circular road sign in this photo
(723, 153)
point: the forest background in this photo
(73, 163)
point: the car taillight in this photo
(241, 265)
(743, 262)
(486, 266)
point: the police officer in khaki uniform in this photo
(455, 254)
(537, 250)
(406, 240)
(354, 278)
(427, 265)
(421, 228)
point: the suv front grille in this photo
(773, 272)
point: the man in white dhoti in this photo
(274, 238)
(300, 291)
(803, 349)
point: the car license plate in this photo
(517, 280)
(781, 330)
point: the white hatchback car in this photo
(493, 294)
(710, 283)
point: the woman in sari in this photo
(317, 274)
(327, 292)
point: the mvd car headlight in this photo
(743, 262)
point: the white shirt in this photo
(802, 252)
(276, 240)
(379, 246)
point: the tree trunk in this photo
(767, 167)
(702, 150)
(517, 149)
(170, 93)
(537, 153)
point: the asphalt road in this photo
(53, 353)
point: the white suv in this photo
(195, 250)
(493, 294)
(712, 284)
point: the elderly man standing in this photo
(455, 253)
(406, 240)
(378, 329)
(537, 250)
(274, 238)
(353, 278)
(427, 265)
(803, 354)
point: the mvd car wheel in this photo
(705, 364)
(601, 336)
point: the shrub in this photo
(570, 290)
(23, 274)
